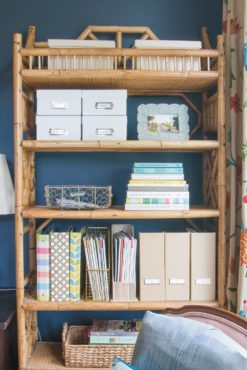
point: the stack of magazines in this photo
(124, 251)
(114, 331)
(96, 253)
(157, 186)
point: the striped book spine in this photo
(156, 207)
(157, 188)
(150, 164)
(157, 170)
(43, 267)
(157, 201)
(75, 266)
(157, 182)
(157, 194)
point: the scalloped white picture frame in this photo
(180, 110)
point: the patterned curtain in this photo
(234, 17)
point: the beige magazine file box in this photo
(152, 266)
(203, 250)
(177, 262)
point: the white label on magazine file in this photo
(203, 281)
(152, 281)
(176, 281)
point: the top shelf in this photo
(134, 81)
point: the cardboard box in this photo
(91, 62)
(168, 64)
(203, 248)
(177, 272)
(58, 128)
(59, 102)
(104, 127)
(152, 266)
(104, 102)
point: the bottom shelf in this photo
(48, 356)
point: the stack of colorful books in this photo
(114, 331)
(157, 186)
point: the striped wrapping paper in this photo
(75, 266)
(43, 267)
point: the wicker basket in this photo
(78, 196)
(77, 353)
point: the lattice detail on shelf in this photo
(31, 330)
(210, 118)
(210, 178)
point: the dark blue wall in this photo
(176, 19)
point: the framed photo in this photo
(163, 122)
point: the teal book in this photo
(155, 164)
(158, 170)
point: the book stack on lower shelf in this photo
(157, 186)
(114, 331)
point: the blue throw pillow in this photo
(119, 364)
(177, 343)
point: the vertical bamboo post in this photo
(204, 125)
(221, 173)
(119, 41)
(18, 135)
(32, 199)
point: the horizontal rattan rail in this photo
(121, 146)
(203, 53)
(118, 213)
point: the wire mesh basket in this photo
(78, 196)
(97, 280)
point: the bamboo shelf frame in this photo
(118, 213)
(30, 72)
(31, 304)
(121, 146)
(118, 79)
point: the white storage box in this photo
(81, 62)
(104, 102)
(168, 64)
(104, 128)
(59, 102)
(58, 128)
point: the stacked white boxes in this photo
(81, 115)
(104, 115)
(58, 115)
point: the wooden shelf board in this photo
(31, 304)
(120, 146)
(132, 80)
(118, 213)
(48, 356)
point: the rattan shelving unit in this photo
(30, 72)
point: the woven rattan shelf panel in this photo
(118, 213)
(48, 356)
(120, 146)
(31, 304)
(117, 79)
